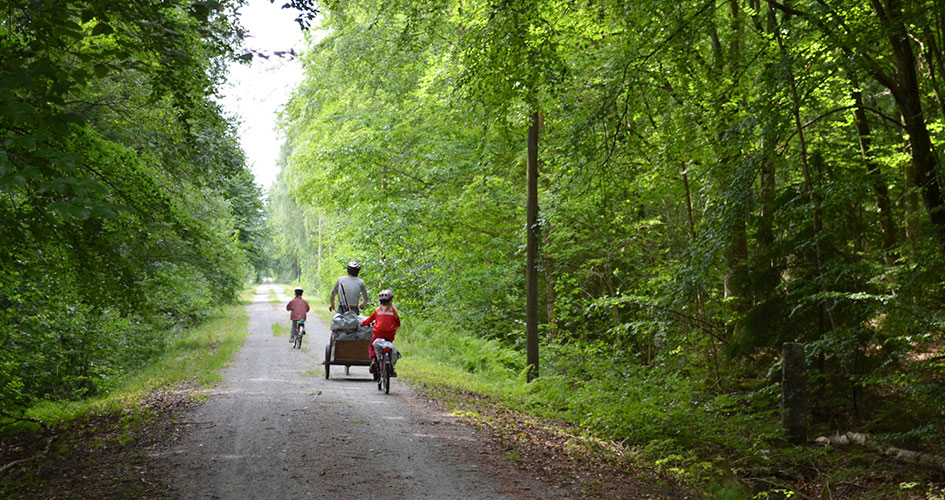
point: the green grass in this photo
(191, 362)
(435, 358)
(653, 410)
(280, 330)
(663, 417)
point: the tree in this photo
(127, 203)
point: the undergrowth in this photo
(726, 444)
(191, 360)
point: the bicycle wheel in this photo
(298, 339)
(379, 376)
(386, 376)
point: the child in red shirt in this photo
(386, 321)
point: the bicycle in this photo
(297, 344)
(384, 349)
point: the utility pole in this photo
(531, 245)
(318, 265)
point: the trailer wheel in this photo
(327, 361)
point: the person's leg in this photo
(372, 356)
(295, 331)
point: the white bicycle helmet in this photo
(354, 268)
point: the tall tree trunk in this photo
(531, 245)
(736, 259)
(911, 200)
(550, 296)
(736, 278)
(770, 278)
(935, 60)
(700, 298)
(863, 133)
(318, 265)
(904, 87)
(813, 198)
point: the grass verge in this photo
(99, 446)
(191, 361)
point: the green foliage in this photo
(194, 356)
(128, 209)
(706, 195)
(657, 410)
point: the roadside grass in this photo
(190, 362)
(723, 445)
(280, 330)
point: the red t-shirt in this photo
(298, 308)
(386, 321)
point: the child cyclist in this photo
(386, 321)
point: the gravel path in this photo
(276, 428)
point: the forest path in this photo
(276, 428)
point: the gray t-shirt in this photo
(353, 286)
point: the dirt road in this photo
(276, 428)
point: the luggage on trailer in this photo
(347, 326)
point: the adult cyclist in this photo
(349, 289)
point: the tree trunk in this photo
(736, 277)
(769, 278)
(911, 201)
(550, 296)
(863, 133)
(904, 456)
(812, 195)
(736, 259)
(689, 214)
(904, 87)
(531, 245)
(318, 265)
(794, 392)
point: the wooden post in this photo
(794, 392)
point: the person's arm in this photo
(307, 309)
(369, 319)
(364, 293)
(334, 293)
(288, 307)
